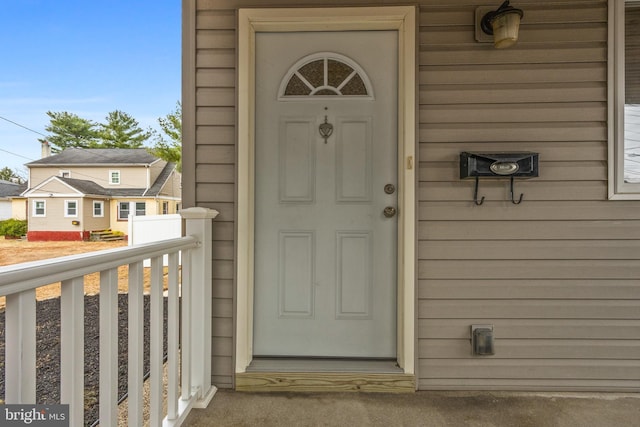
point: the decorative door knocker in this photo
(326, 129)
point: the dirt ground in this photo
(18, 251)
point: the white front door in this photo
(325, 171)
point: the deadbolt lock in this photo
(389, 188)
(389, 211)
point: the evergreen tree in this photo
(69, 130)
(168, 144)
(7, 174)
(121, 131)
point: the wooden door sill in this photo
(324, 375)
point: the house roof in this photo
(155, 189)
(11, 189)
(85, 186)
(98, 156)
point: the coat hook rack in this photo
(498, 165)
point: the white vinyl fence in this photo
(154, 228)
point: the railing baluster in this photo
(109, 348)
(20, 348)
(185, 319)
(136, 344)
(172, 338)
(72, 348)
(156, 341)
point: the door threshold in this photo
(338, 365)
(324, 375)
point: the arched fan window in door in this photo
(325, 74)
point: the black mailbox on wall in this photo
(498, 165)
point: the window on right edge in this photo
(625, 102)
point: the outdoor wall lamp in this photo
(503, 24)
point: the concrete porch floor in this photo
(425, 408)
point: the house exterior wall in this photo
(90, 222)
(151, 208)
(557, 275)
(19, 208)
(54, 225)
(172, 206)
(54, 188)
(130, 176)
(5, 209)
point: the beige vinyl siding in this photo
(54, 219)
(130, 176)
(556, 275)
(39, 175)
(54, 188)
(115, 224)
(89, 222)
(19, 208)
(214, 170)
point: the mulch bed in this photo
(48, 351)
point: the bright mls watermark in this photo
(34, 415)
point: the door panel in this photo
(353, 261)
(353, 160)
(297, 258)
(297, 159)
(325, 255)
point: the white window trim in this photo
(111, 172)
(135, 208)
(618, 189)
(132, 210)
(118, 217)
(66, 208)
(34, 214)
(93, 208)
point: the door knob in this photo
(389, 211)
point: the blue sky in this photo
(84, 57)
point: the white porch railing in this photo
(189, 308)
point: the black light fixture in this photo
(503, 24)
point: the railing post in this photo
(199, 224)
(20, 348)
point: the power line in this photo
(16, 154)
(47, 136)
(23, 127)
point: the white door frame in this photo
(398, 18)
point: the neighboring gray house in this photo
(8, 192)
(82, 190)
(350, 254)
